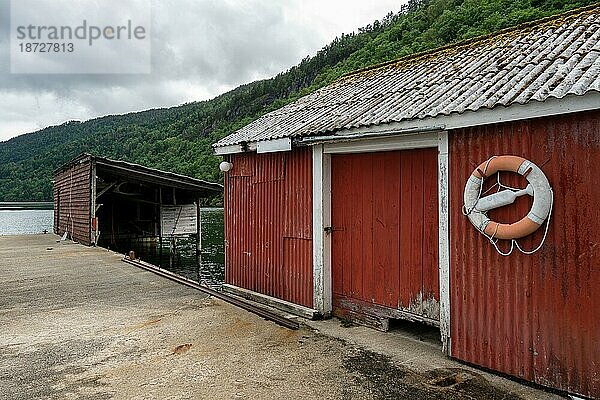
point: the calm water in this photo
(22, 222)
(179, 257)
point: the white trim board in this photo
(322, 214)
(231, 149)
(322, 296)
(444, 240)
(273, 146)
(400, 142)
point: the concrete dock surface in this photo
(78, 323)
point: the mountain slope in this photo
(179, 139)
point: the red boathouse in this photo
(349, 201)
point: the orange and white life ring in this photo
(476, 207)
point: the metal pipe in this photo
(271, 316)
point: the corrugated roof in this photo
(551, 58)
(143, 173)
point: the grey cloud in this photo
(212, 41)
(199, 49)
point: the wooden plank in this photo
(358, 171)
(416, 220)
(382, 144)
(327, 264)
(337, 221)
(430, 227)
(366, 209)
(321, 218)
(382, 237)
(347, 235)
(179, 220)
(444, 241)
(344, 304)
(431, 282)
(392, 217)
(405, 230)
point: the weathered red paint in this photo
(72, 201)
(385, 233)
(535, 317)
(268, 224)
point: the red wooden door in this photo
(385, 234)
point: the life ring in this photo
(476, 207)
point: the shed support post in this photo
(93, 221)
(160, 236)
(444, 241)
(321, 240)
(198, 238)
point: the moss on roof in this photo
(479, 42)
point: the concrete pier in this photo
(77, 323)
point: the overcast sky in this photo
(200, 49)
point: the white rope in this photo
(501, 185)
(487, 164)
(514, 243)
(528, 252)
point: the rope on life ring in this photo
(475, 207)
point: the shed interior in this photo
(129, 210)
(147, 211)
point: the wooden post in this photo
(112, 224)
(198, 239)
(160, 242)
(93, 221)
(173, 241)
(172, 253)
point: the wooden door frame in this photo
(322, 289)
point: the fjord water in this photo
(24, 222)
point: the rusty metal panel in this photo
(385, 234)
(534, 317)
(551, 59)
(268, 224)
(297, 264)
(72, 201)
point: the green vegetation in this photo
(179, 139)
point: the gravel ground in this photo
(77, 323)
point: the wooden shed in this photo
(349, 201)
(99, 201)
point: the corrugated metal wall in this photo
(268, 224)
(535, 317)
(385, 230)
(72, 191)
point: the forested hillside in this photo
(179, 138)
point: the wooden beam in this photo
(444, 241)
(106, 189)
(322, 290)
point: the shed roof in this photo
(145, 174)
(550, 58)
